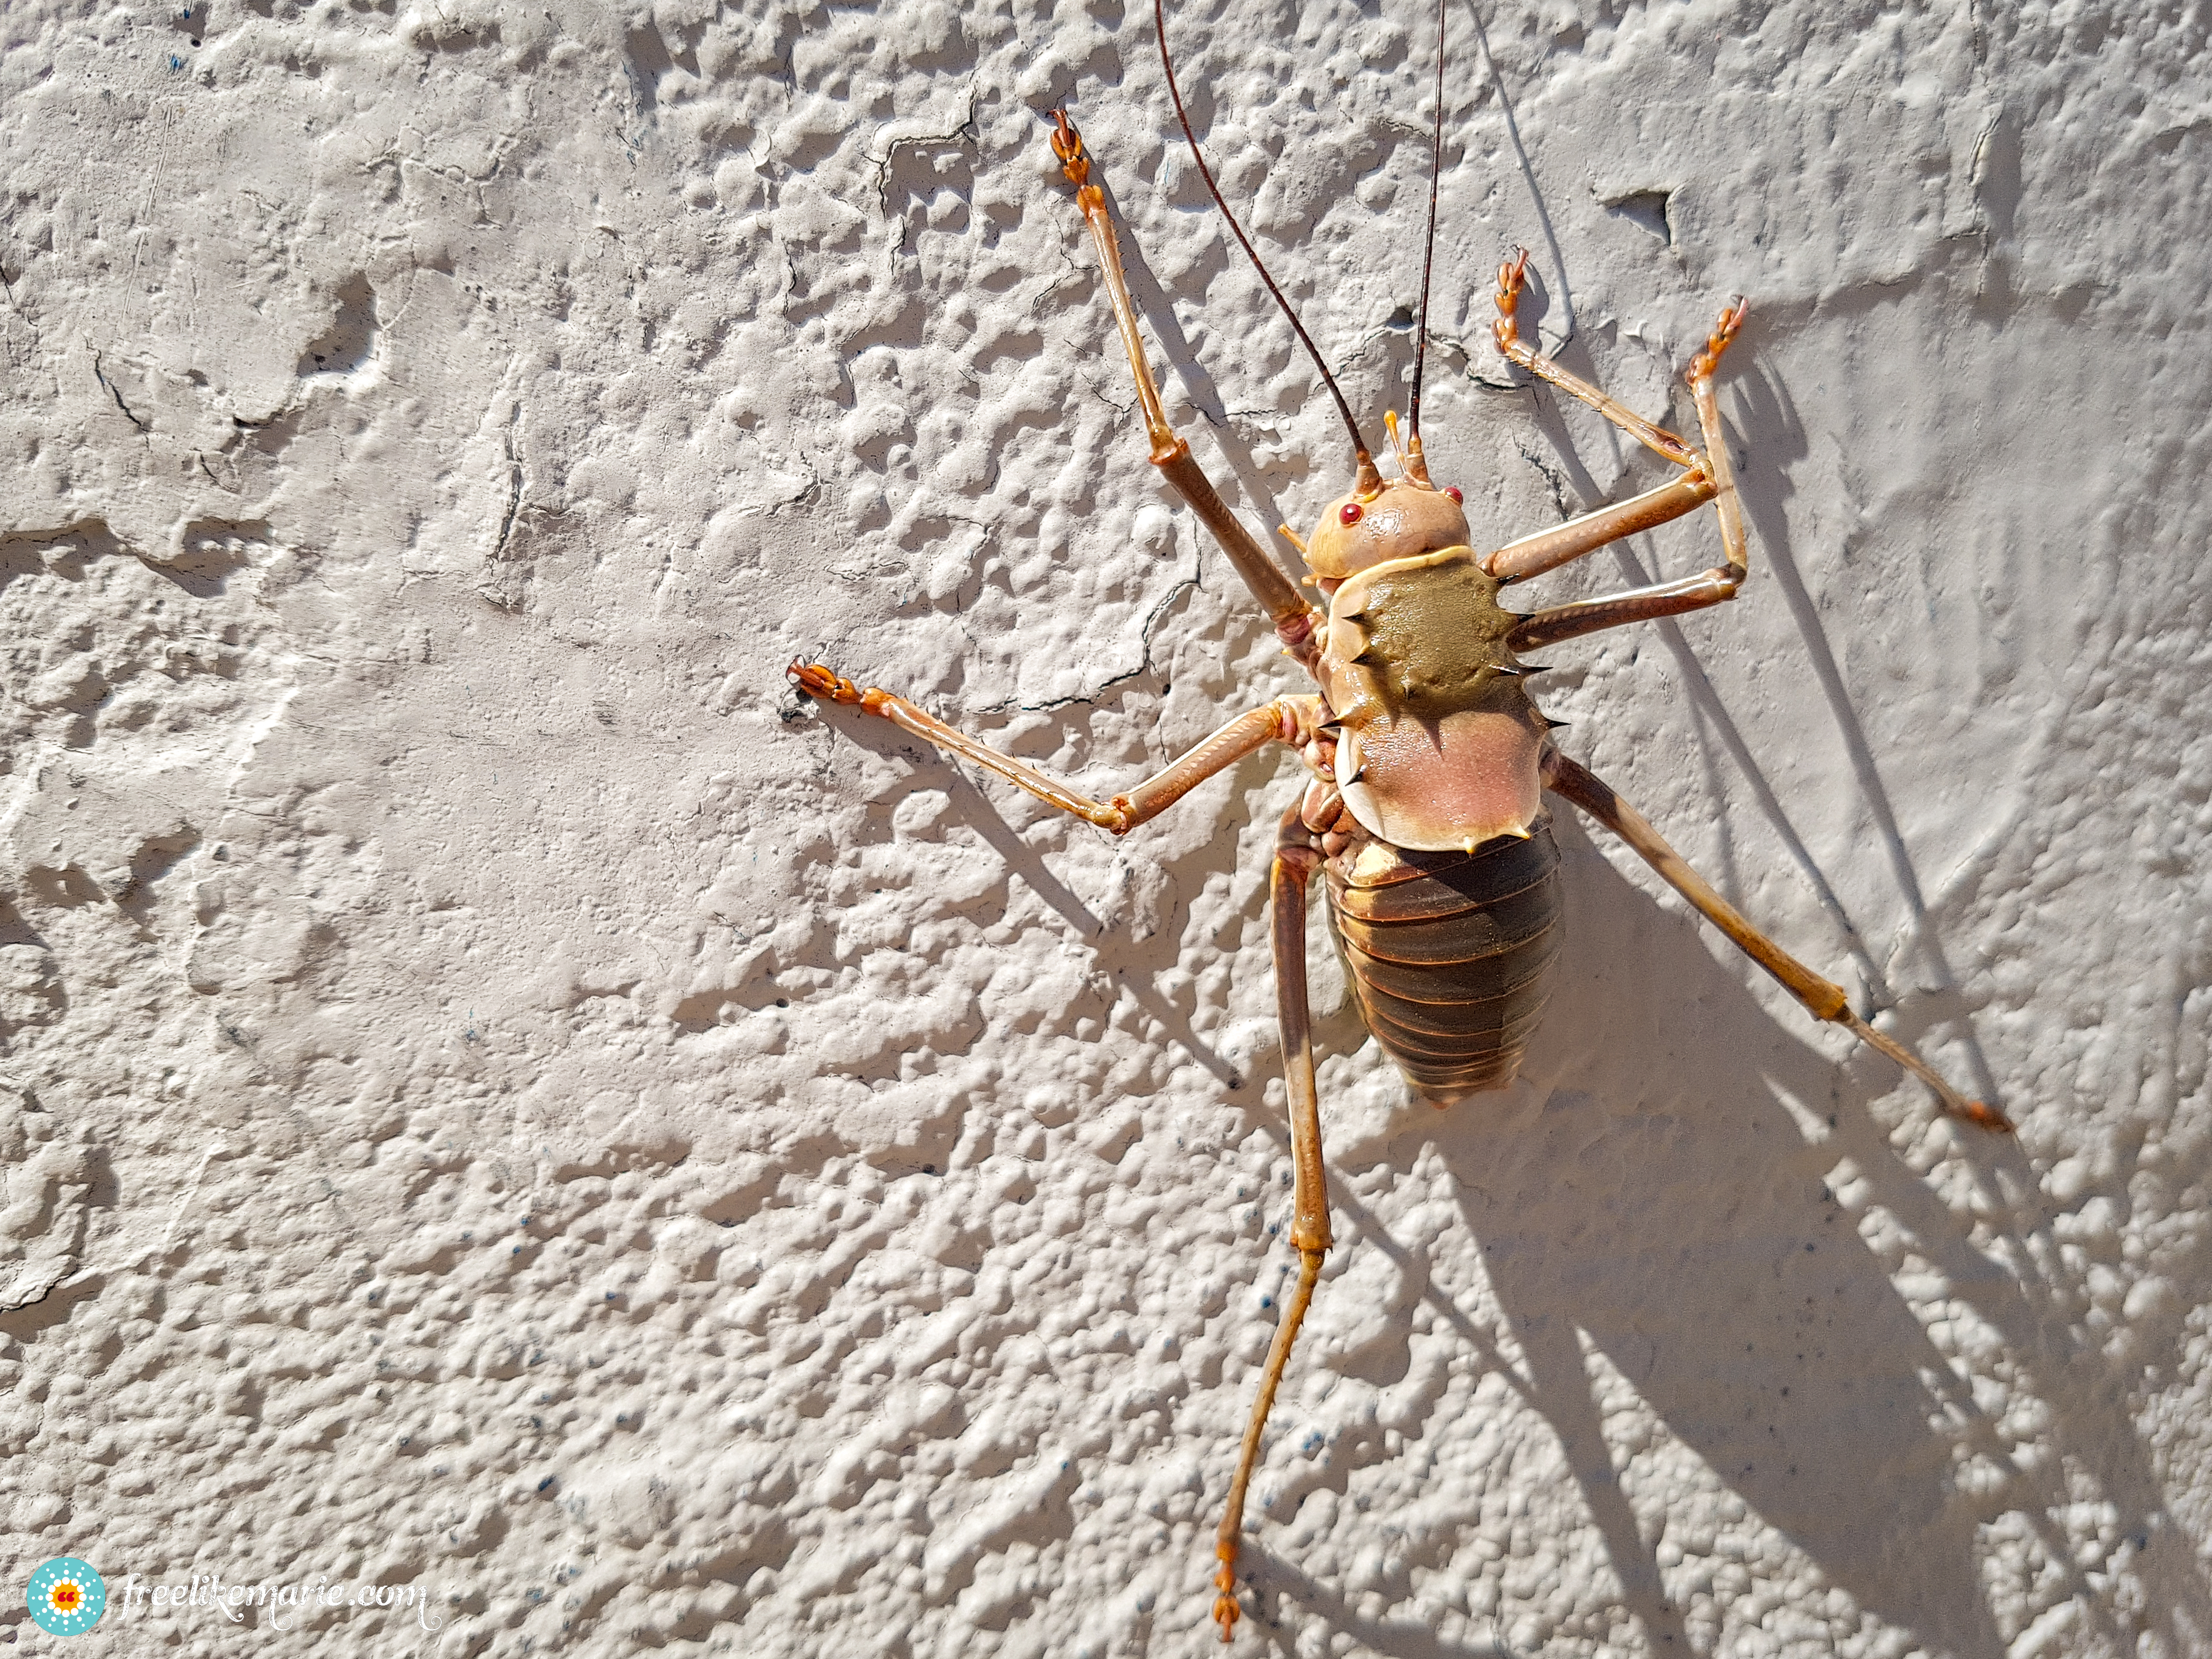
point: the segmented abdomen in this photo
(1448, 953)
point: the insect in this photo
(1424, 811)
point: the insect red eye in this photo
(1352, 512)
(1452, 490)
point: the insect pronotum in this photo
(1425, 810)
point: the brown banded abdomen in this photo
(1448, 953)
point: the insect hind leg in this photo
(1820, 998)
(1296, 860)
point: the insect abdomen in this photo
(1448, 953)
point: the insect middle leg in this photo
(1821, 998)
(1296, 860)
(1294, 720)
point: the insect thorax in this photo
(1441, 743)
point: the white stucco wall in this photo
(500, 1097)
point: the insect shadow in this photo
(1672, 1214)
(1764, 487)
(1126, 965)
(1670, 1209)
(2030, 1310)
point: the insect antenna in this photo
(1370, 480)
(1419, 468)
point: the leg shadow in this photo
(972, 808)
(1764, 487)
(1782, 444)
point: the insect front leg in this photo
(1821, 998)
(1296, 860)
(1292, 617)
(1512, 277)
(1293, 720)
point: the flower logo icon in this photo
(66, 1596)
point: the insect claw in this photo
(820, 681)
(1067, 149)
(1512, 276)
(1707, 361)
(1066, 140)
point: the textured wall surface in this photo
(502, 1097)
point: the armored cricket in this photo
(1425, 809)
